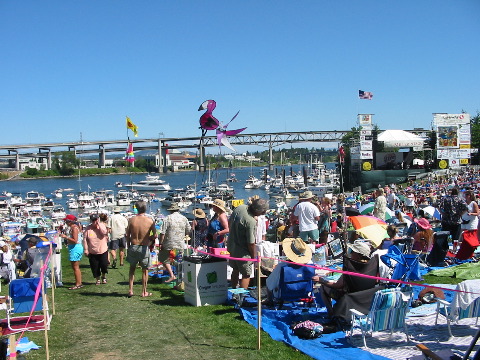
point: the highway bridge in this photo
(28, 151)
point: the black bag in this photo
(307, 329)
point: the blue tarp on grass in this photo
(329, 346)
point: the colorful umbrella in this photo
(370, 227)
(368, 209)
(433, 212)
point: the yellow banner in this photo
(237, 202)
(464, 161)
(464, 146)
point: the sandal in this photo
(104, 280)
(98, 282)
(76, 287)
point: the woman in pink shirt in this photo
(95, 239)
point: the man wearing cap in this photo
(118, 226)
(140, 235)
(308, 216)
(172, 237)
(241, 240)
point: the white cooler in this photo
(205, 280)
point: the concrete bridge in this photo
(16, 152)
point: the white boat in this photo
(72, 203)
(151, 183)
(86, 200)
(34, 201)
(58, 193)
(124, 198)
(4, 204)
(253, 183)
(58, 212)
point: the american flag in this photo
(365, 95)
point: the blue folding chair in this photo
(21, 302)
(404, 266)
(296, 285)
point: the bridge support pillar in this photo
(101, 156)
(270, 156)
(164, 161)
(49, 159)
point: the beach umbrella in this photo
(368, 209)
(433, 212)
(370, 227)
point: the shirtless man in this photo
(140, 235)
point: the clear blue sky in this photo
(71, 67)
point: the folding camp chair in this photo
(439, 249)
(387, 312)
(403, 266)
(23, 300)
(465, 304)
(448, 354)
(296, 285)
(358, 290)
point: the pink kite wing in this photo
(234, 132)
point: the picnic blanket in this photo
(420, 323)
(469, 270)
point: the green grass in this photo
(100, 322)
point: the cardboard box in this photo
(205, 281)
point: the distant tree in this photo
(475, 136)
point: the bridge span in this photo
(16, 152)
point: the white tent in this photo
(400, 138)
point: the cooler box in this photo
(205, 280)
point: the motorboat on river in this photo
(151, 183)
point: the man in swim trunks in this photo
(140, 236)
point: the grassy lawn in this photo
(100, 322)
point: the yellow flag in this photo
(132, 126)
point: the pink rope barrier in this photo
(226, 257)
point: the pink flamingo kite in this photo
(210, 122)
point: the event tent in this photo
(400, 138)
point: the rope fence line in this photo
(258, 259)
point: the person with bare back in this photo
(140, 236)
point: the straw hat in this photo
(174, 207)
(296, 250)
(362, 248)
(219, 203)
(116, 209)
(199, 213)
(306, 195)
(423, 223)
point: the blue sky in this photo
(71, 67)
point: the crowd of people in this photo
(416, 210)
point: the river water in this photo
(175, 179)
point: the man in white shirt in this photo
(118, 226)
(308, 216)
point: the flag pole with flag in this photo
(132, 126)
(367, 95)
(130, 155)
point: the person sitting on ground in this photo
(360, 252)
